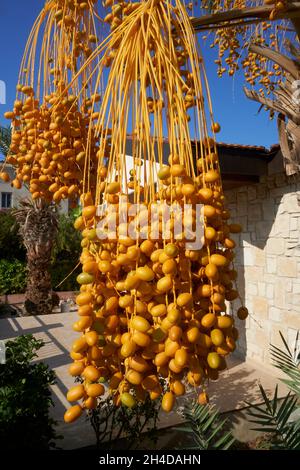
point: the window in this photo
(6, 199)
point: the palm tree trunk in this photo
(39, 298)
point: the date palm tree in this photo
(241, 21)
(38, 225)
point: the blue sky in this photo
(238, 116)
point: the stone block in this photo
(280, 293)
(276, 192)
(270, 291)
(293, 307)
(242, 208)
(260, 257)
(231, 196)
(290, 203)
(263, 180)
(261, 191)
(294, 223)
(253, 273)
(248, 254)
(261, 289)
(255, 212)
(291, 337)
(286, 267)
(255, 352)
(275, 246)
(261, 229)
(270, 278)
(261, 336)
(270, 184)
(291, 318)
(252, 288)
(294, 234)
(296, 287)
(251, 193)
(268, 208)
(280, 179)
(293, 299)
(275, 336)
(241, 220)
(243, 196)
(292, 248)
(275, 314)
(271, 265)
(260, 307)
(288, 285)
(246, 238)
(281, 226)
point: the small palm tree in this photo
(206, 427)
(38, 225)
(281, 418)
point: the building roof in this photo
(253, 150)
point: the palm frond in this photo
(206, 427)
(37, 221)
(288, 362)
(274, 417)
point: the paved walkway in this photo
(237, 386)
(15, 299)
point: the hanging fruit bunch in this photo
(232, 43)
(153, 312)
(51, 120)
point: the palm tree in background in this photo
(38, 226)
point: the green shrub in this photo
(111, 422)
(206, 427)
(10, 243)
(12, 276)
(66, 253)
(25, 398)
(68, 239)
(60, 270)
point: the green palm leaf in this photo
(206, 428)
(288, 362)
(274, 416)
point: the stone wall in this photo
(268, 261)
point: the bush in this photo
(59, 271)
(111, 422)
(11, 246)
(66, 253)
(68, 239)
(25, 398)
(12, 276)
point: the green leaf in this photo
(206, 427)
